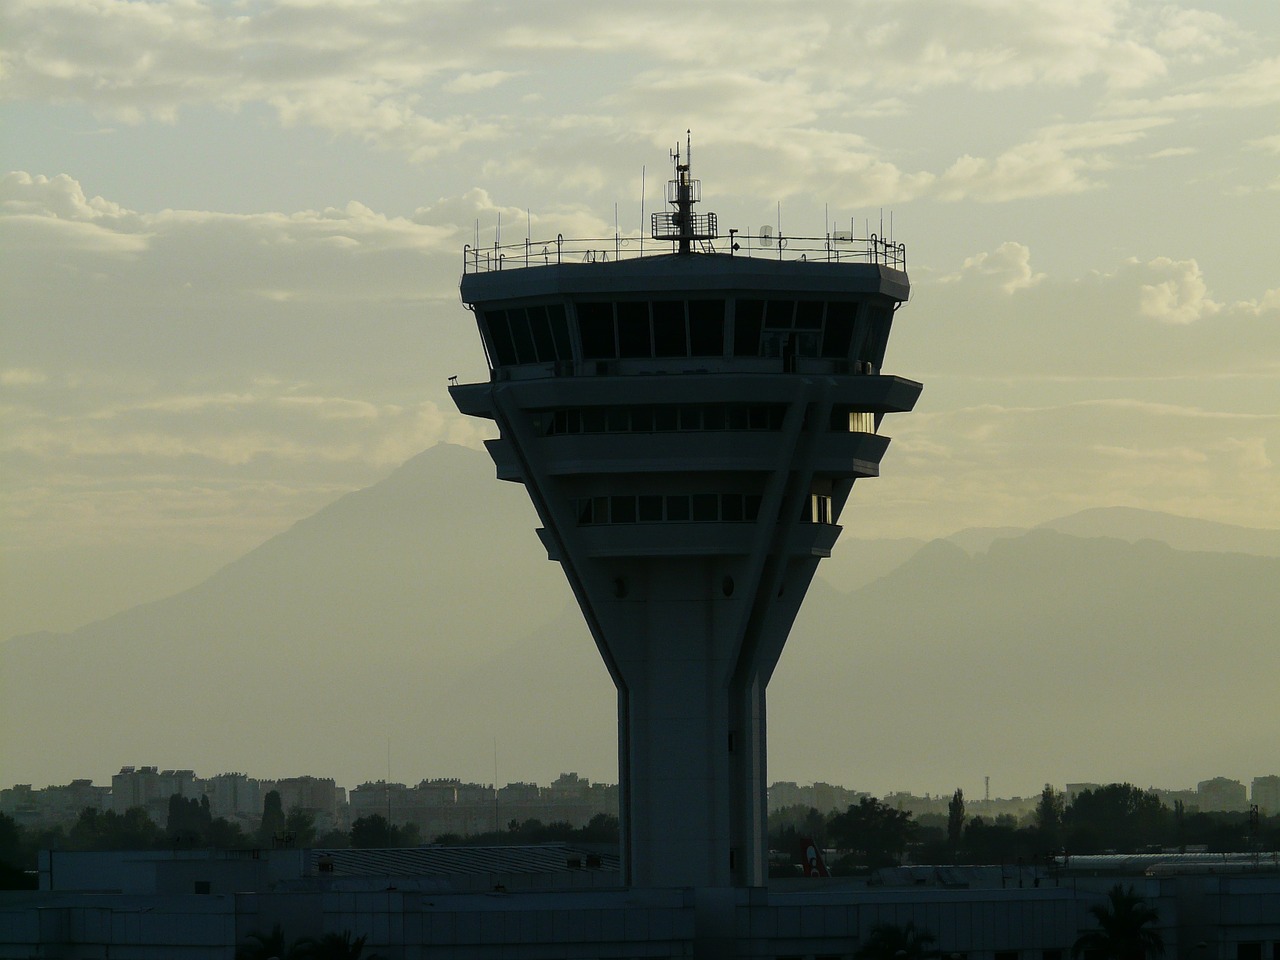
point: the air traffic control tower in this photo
(688, 414)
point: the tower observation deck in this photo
(688, 422)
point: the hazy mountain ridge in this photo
(350, 629)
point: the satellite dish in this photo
(766, 236)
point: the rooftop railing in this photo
(834, 248)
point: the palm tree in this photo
(263, 946)
(1124, 929)
(890, 942)
(333, 946)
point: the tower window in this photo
(504, 350)
(633, 330)
(595, 326)
(706, 328)
(622, 509)
(747, 322)
(669, 338)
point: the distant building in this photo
(1189, 799)
(151, 788)
(1074, 790)
(451, 806)
(823, 797)
(233, 796)
(54, 804)
(1264, 793)
(1222, 794)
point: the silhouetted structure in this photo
(689, 427)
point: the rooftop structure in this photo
(688, 419)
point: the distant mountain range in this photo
(420, 618)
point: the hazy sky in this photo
(231, 239)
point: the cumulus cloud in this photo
(1181, 298)
(1010, 263)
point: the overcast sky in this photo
(231, 232)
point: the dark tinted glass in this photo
(839, 329)
(522, 336)
(668, 329)
(504, 351)
(595, 327)
(543, 345)
(633, 330)
(748, 318)
(706, 328)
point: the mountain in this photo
(422, 615)
(308, 653)
(1184, 533)
(1046, 659)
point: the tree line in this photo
(1118, 818)
(191, 825)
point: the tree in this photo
(189, 820)
(1117, 817)
(300, 824)
(263, 946)
(132, 830)
(1049, 817)
(875, 833)
(273, 823)
(887, 941)
(12, 876)
(1124, 929)
(333, 946)
(375, 832)
(955, 818)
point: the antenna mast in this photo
(683, 225)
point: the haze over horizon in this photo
(230, 242)
(1109, 645)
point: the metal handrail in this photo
(833, 248)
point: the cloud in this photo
(1182, 298)
(1254, 85)
(475, 82)
(997, 465)
(21, 377)
(400, 75)
(1057, 161)
(1010, 262)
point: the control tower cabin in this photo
(688, 419)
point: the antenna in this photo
(682, 225)
(497, 233)
(528, 219)
(642, 209)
